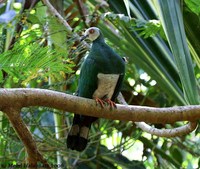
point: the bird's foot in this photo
(111, 103)
(104, 102)
(100, 101)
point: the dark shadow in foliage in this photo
(105, 158)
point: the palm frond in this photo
(172, 22)
(152, 55)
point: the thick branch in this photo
(34, 156)
(61, 101)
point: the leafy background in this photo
(160, 40)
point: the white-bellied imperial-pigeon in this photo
(101, 79)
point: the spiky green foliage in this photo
(31, 61)
(153, 78)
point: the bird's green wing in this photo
(88, 78)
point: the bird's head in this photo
(91, 33)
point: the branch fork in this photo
(13, 100)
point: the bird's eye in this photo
(91, 31)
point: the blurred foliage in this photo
(37, 52)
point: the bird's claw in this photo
(111, 103)
(100, 101)
(104, 102)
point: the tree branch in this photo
(55, 13)
(13, 113)
(12, 100)
(48, 98)
(179, 131)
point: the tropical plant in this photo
(158, 38)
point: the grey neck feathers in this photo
(99, 39)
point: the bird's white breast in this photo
(106, 85)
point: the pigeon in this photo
(101, 78)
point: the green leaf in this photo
(152, 55)
(193, 5)
(126, 2)
(1, 76)
(177, 154)
(172, 21)
(29, 61)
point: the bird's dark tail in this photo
(78, 135)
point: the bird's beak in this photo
(84, 37)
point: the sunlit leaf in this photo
(172, 22)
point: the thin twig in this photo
(55, 13)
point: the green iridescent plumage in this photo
(101, 60)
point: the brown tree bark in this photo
(13, 100)
(40, 97)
